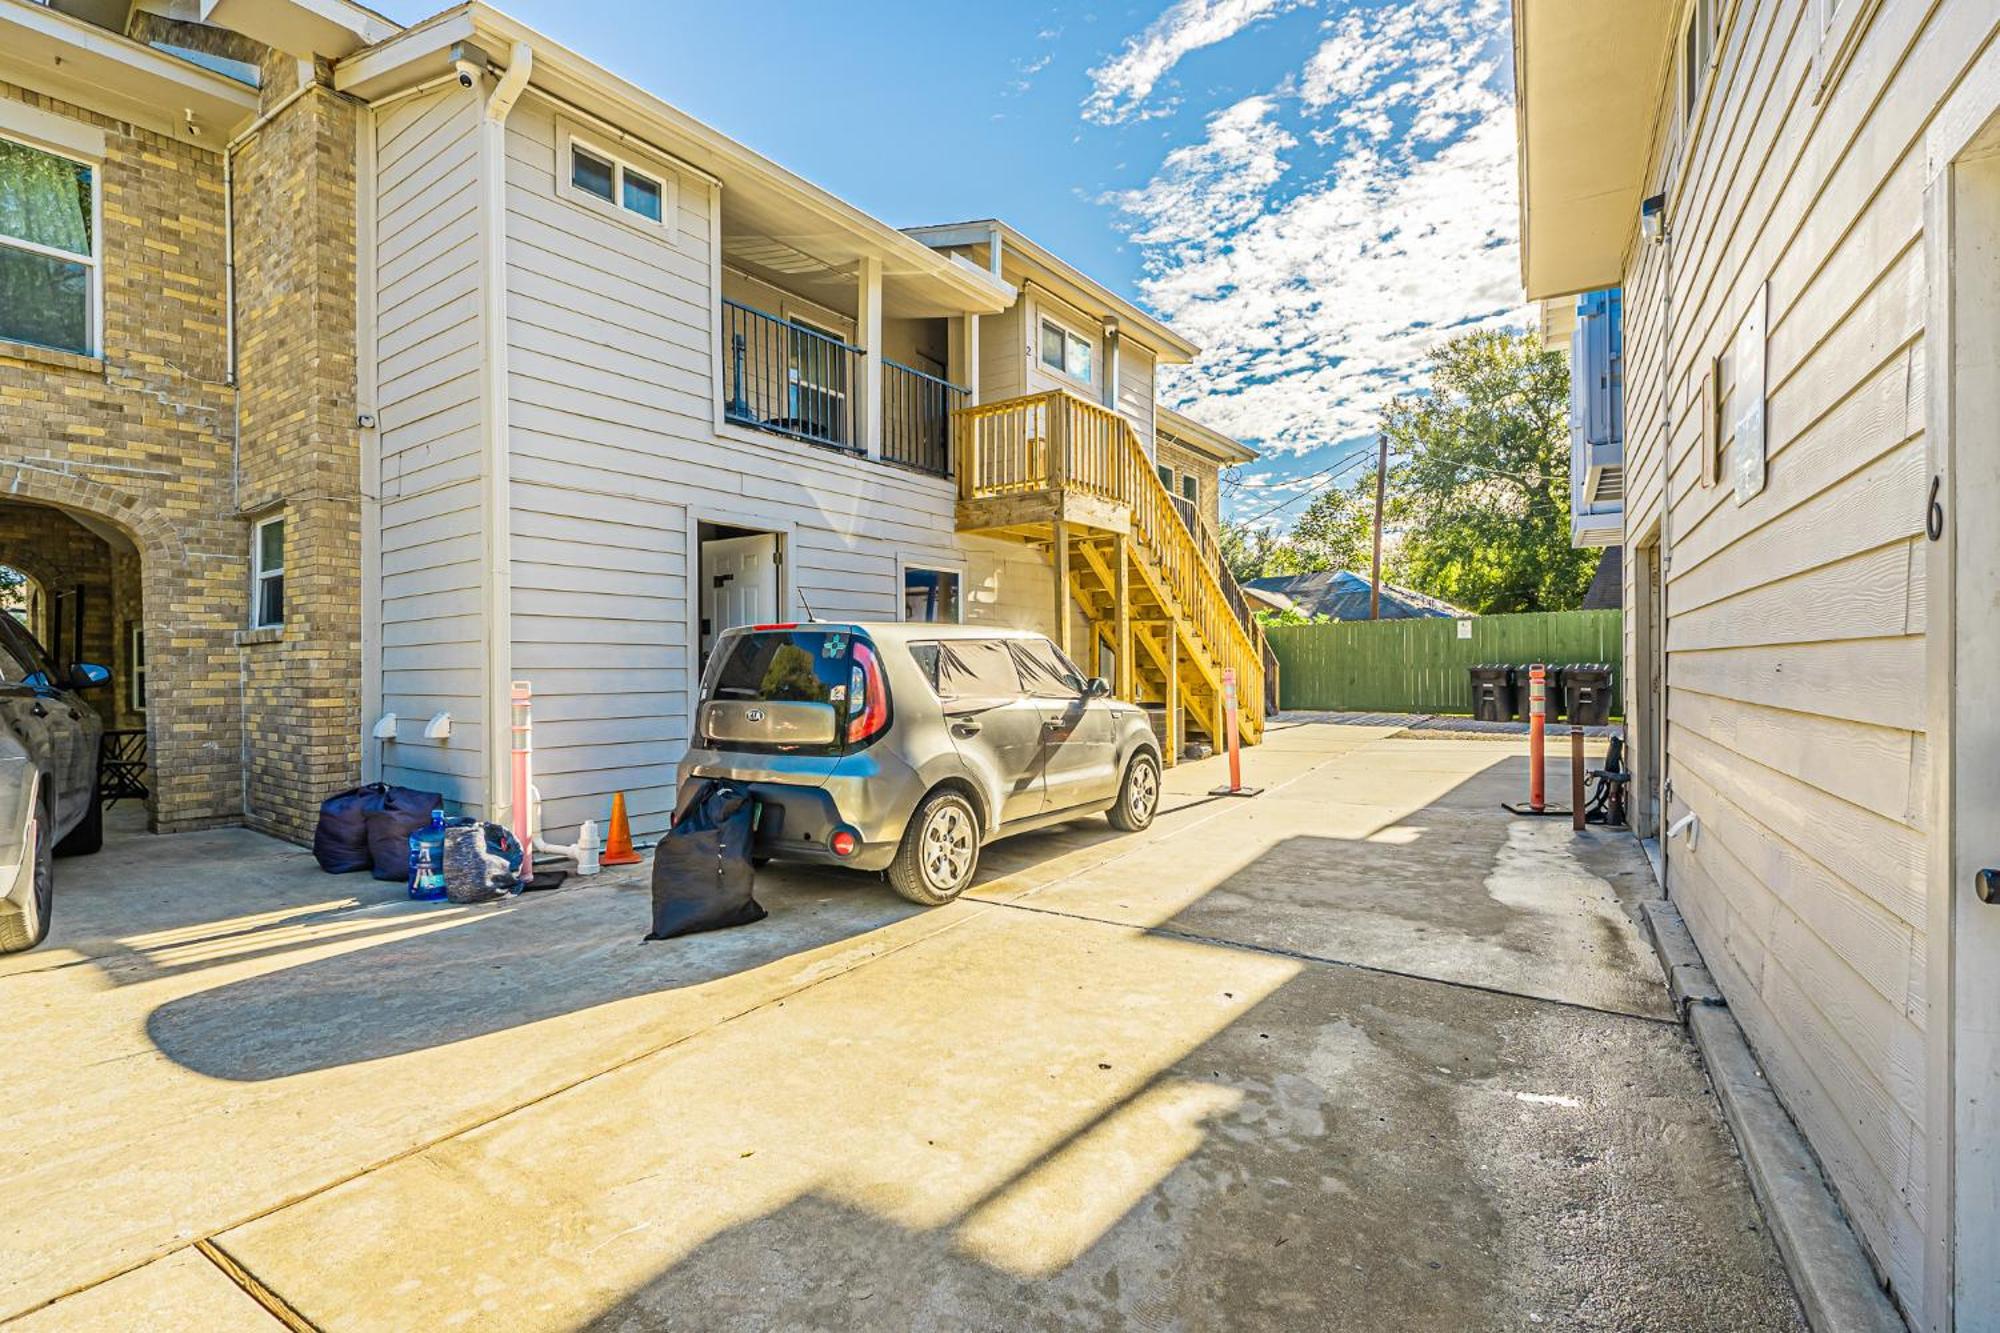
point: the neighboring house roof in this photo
(1055, 273)
(1268, 598)
(1204, 439)
(1607, 586)
(1344, 595)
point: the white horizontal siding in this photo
(427, 362)
(615, 458)
(1795, 672)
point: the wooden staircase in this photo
(1060, 472)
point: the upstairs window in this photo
(617, 185)
(1062, 350)
(267, 574)
(48, 249)
(1697, 53)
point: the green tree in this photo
(1482, 492)
(1337, 529)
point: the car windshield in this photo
(789, 666)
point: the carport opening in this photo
(74, 582)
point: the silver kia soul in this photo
(905, 748)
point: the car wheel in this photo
(759, 862)
(1138, 795)
(25, 925)
(88, 835)
(939, 851)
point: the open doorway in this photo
(740, 575)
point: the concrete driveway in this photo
(1361, 1053)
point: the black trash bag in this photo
(702, 875)
(482, 862)
(389, 841)
(340, 840)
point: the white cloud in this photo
(1316, 290)
(1121, 85)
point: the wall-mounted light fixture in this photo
(1653, 218)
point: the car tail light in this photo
(867, 697)
(759, 629)
(844, 842)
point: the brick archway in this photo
(193, 713)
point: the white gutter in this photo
(496, 591)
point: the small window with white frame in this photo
(1698, 49)
(1067, 351)
(267, 573)
(619, 185)
(932, 596)
(1841, 24)
(49, 257)
(135, 674)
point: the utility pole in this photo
(1381, 491)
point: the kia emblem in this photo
(753, 714)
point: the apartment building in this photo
(413, 363)
(1783, 214)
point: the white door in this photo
(739, 584)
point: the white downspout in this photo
(496, 592)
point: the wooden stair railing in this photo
(1057, 447)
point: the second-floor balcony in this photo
(790, 378)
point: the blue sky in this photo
(1316, 191)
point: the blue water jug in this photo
(427, 860)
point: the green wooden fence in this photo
(1419, 666)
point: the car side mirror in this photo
(1097, 687)
(88, 675)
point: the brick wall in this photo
(295, 202)
(141, 438)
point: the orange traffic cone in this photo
(618, 850)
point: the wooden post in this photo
(1576, 765)
(1127, 683)
(1060, 556)
(1173, 694)
(1381, 492)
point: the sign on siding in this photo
(1746, 427)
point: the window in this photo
(1166, 476)
(135, 675)
(1065, 351)
(1191, 488)
(1841, 24)
(931, 595)
(1046, 672)
(975, 669)
(1697, 52)
(613, 183)
(267, 574)
(48, 249)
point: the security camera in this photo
(469, 61)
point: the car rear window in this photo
(792, 666)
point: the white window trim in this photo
(94, 316)
(1043, 317)
(905, 564)
(570, 137)
(135, 666)
(258, 574)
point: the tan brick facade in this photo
(144, 441)
(301, 454)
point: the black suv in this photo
(48, 778)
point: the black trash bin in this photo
(1555, 693)
(1492, 693)
(1587, 694)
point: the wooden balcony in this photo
(1060, 472)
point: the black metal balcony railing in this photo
(790, 378)
(916, 417)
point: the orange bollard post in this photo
(618, 849)
(1229, 726)
(1538, 718)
